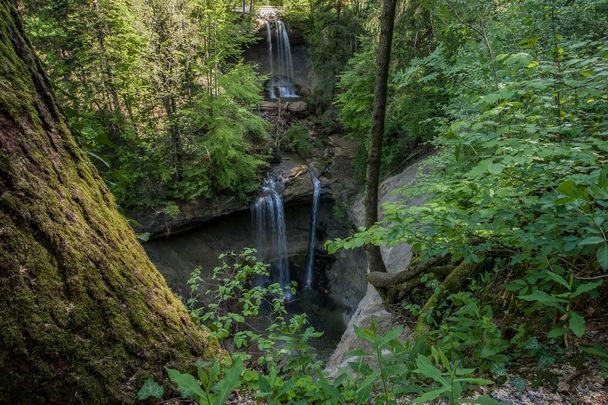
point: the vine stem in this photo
(592, 278)
(379, 356)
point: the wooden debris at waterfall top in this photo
(268, 105)
(296, 107)
(282, 114)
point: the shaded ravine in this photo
(339, 283)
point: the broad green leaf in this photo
(428, 370)
(557, 332)
(464, 371)
(144, 237)
(596, 351)
(150, 389)
(567, 188)
(545, 299)
(230, 381)
(365, 334)
(392, 334)
(558, 279)
(366, 387)
(602, 257)
(330, 389)
(592, 240)
(357, 353)
(576, 324)
(476, 381)
(186, 383)
(214, 372)
(430, 395)
(264, 384)
(520, 58)
(584, 288)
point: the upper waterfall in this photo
(281, 69)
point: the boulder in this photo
(396, 258)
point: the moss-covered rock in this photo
(84, 315)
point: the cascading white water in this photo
(287, 51)
(310, 255)
(281, 79)
(271, 238)
(271, 89)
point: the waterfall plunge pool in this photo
(339, 280)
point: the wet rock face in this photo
(191, 215)
(396, 258)
(298, 189)
(346, 276)
(342, 277)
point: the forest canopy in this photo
(157, 93)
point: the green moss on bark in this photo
(84, 315)
(453, 282)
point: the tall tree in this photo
(84, 315)
(387, 22)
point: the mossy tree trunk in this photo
(84, 315)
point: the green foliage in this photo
(297, 139)
(393, 359)
(286, 370)
(448, 383)
(564, 302)
(214, 384)
(517, 100)
(237, 299)
(224, 310)
(415, 89)
(156, 93)
(150, 389)
(601, 354)
(470, 332)
(332, 31)
(171, 209)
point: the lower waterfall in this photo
(310, 255)
(271, 237)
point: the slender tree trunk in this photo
(374, 257)
(84, 315)
(105, 63)
(176, 143)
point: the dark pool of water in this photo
(323, 314)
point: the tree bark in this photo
(374, 257)
(84, 315)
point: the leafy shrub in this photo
(297, 139)
(287, 369)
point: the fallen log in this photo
(387, 280)
(454, 282)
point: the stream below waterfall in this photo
(323, 313)
(339, 281)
